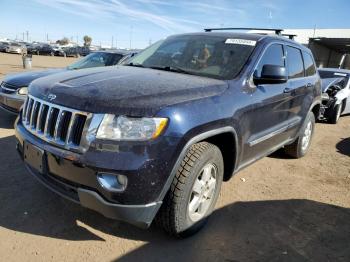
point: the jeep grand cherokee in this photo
(156, 137)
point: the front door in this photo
(266, 116)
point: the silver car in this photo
(16, 48)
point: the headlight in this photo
(129, 128)
(23, 90)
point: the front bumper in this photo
(138, 215)
(74, 176)
(11, 102)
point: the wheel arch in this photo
(316, 109)
(216, 137)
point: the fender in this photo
(341, 95)
(192, 141)
(315, 103)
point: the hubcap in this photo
(203, 192)
(307, 136)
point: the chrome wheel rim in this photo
(203, 192)
(307, 136)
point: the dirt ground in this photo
(278, 209)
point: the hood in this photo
(328, 82)
(124, 90)
(24, 79)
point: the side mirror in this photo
(271, 74)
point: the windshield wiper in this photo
(171, 69)
(134, 64)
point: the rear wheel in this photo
(335, 114)
(300, 147)
(194, 191)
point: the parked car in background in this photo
(33, 48)
(14, 88)
(3, 46)
(16, 48)
(45, 50)
(335, 93)
(159, 135)
(77, 51)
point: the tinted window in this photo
(310, 68)
(295, 62)
(204, 55)
(272, 56)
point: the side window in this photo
(295, 63)
(310, 68)
(272, 56)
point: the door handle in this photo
(287, 90)
(309, 85)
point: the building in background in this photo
(331, 47)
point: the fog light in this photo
(112, 182)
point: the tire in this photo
(335, 114)
(174, 215)
(299, 148)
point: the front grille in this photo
(55, 124)
(8, 88)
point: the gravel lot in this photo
(278, 209)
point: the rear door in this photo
(301, 83)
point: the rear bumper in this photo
(11, 102)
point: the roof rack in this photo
(277, 31)
(290, 36)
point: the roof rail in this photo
(276, 30)
(290, 36)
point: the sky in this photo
(137, 23)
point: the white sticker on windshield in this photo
(240, 42)
(339, 74)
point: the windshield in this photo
(96, 60)
(203, 55)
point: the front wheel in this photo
(194, 191)
(300, 147)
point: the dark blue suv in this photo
(156, 137)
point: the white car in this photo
(335, 93)
(15, 48)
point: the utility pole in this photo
(23, 36)
(47, 37)
(112, 41)
(27, 35)
(130, 36)
(116, 42)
